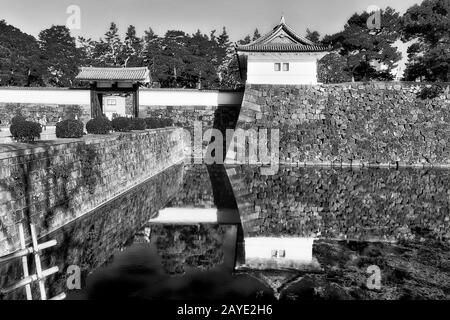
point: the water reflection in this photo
(305, 233)
(336, 203)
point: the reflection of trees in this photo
(195, 246)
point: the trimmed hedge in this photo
(18, 118)
(121, 124)
(124, 124)
(153, 123)
(25, 131)
(99, 125)
(138, 124)
(69, 129)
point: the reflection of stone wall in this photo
(52, 184)
(352, 123)
(197, 191)
(205, 186)
(93, 239)
(52, 111)
(365, 204)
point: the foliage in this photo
(17, 118)
(99, 125)
(61, 57)
(69, 128)
(25, 131)
(332, 69)
(20, 63)
(138, 124)
(313, 36)
(153, 123)
(132, 48)
(122, 124)
(256, 35)
(369, 53)
(209, 61)
(429, 57)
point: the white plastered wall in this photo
(302, 68)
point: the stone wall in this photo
(356, 123)
(53, 112)
(369, 204)
(51, 184)
(209, 117)
(219, 117)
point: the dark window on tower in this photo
(277, 67)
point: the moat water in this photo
(304, 233)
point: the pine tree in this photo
(151, 54)
(369, 54)
(133, 48)
(60, 55)
(245, 41)
(112, 48)
(429, 24)
(223, 40)
(20, 58)
(256, 35)
(313, 36)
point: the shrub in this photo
(166, 122)
(122, 124)
(69, 129)
(99, 125)
(17, 118)
(138, 124)
(153, 123)
(25, 131)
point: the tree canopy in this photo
(369, 53)
(429, 25)
(19, 57)
(199, 60)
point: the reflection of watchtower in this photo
(110, 81)
(277, 253)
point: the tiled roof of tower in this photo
(282, 38)
(114, 74)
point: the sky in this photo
(240, 17)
